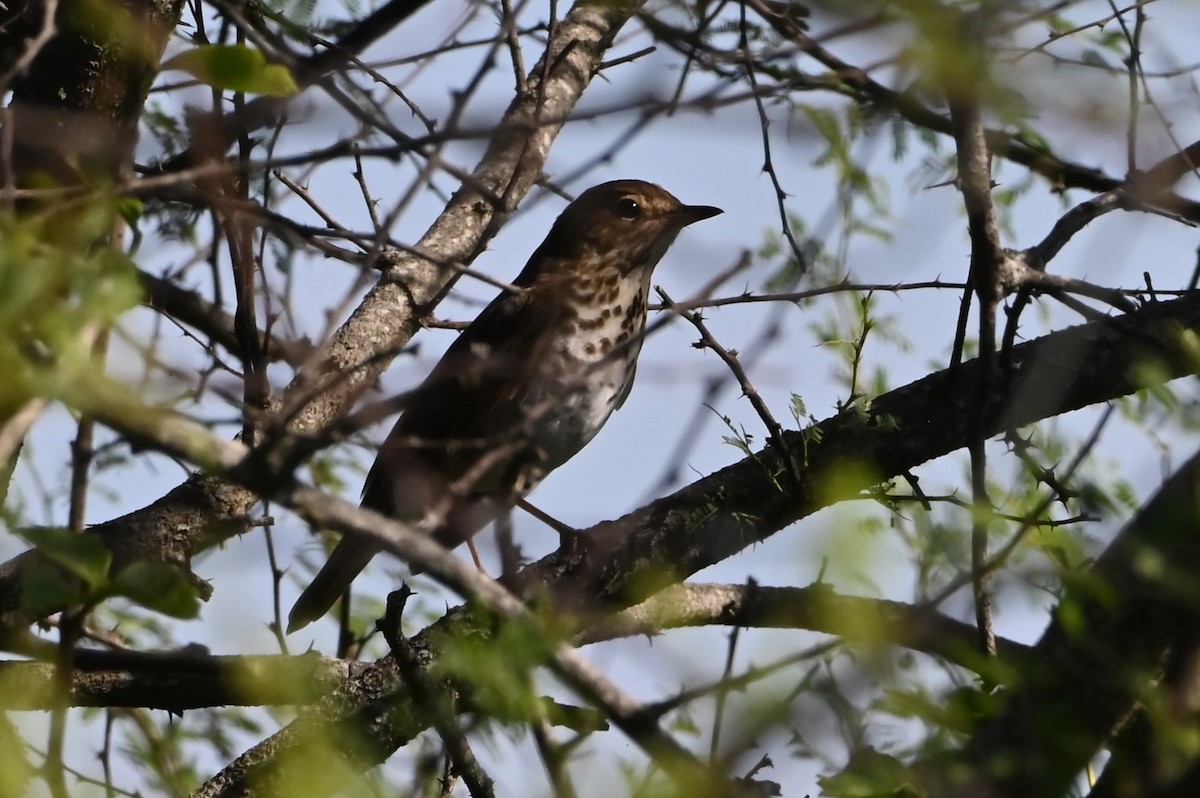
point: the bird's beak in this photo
(690, 214)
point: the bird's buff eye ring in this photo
(628, 208)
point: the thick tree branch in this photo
(626, 560)
(816, 608)
(75, 110)
(183, 682)
(178, 681)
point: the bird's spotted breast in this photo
(587, 373)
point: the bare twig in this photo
(432, 699)
(975, 182)
(774, 430)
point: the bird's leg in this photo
(562, 529)
(475, 556)
(510, 560)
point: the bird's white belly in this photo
(588, 391)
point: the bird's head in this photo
(625, 225)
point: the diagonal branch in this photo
(189, 307)
(633, 557)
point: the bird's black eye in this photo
(628, 208)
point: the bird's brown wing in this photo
(468, 407)
(471, 398)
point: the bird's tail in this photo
(348, 559)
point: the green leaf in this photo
(799, 411)
(15, 769)
(83, 555)
(44, 589)
(130, 209)
(870, 774)
(499, 668)
(159, 586)
(234, 67)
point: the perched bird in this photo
(527, 384)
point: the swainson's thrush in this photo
(527, 384)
